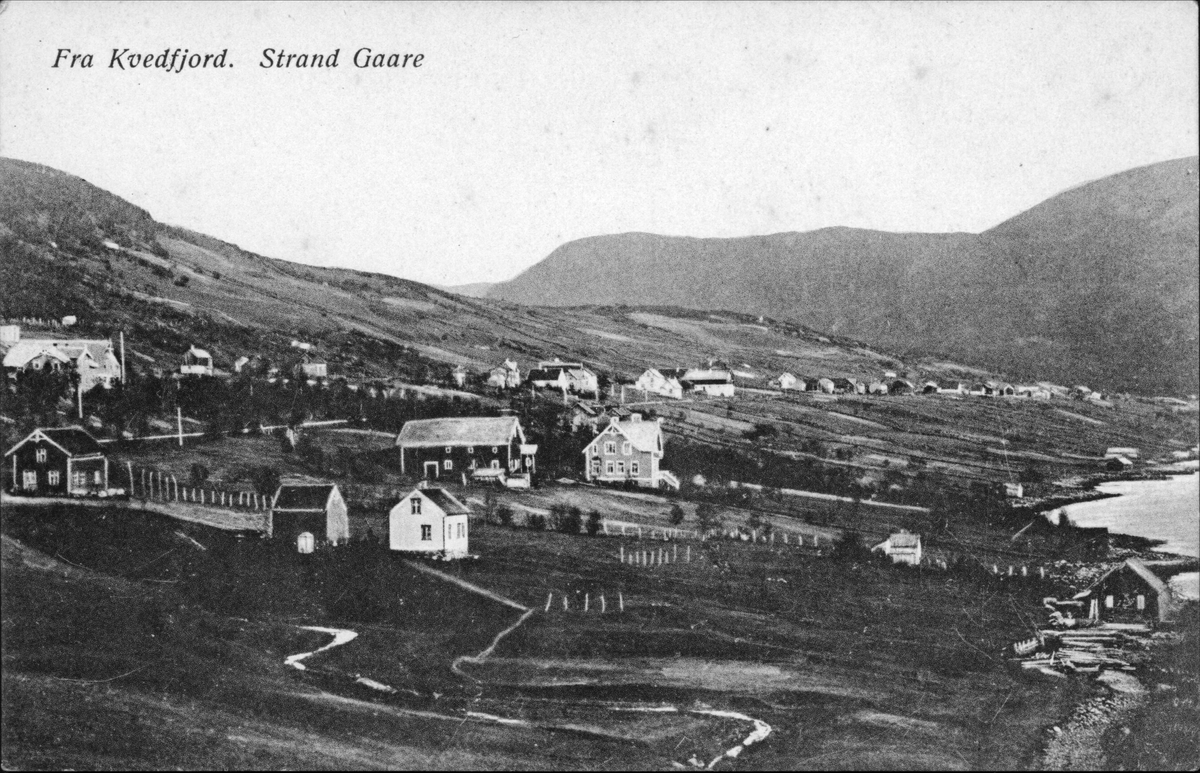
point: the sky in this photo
(530, 124)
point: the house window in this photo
(470, 449)
(41, 456)
(29, 479)
(634, 468)
(595, 466)
(495, 464)
(495, 449)
(416, 505)
(620, 468)
(608, 468)
(53, 477)
(462, 530)
(79, 480)
(448, 449)
(448, 465)
(625, 449)
(426, 533)
(98, 478)
(610, 447)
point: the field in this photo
(850, 662)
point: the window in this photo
(426, 533)
(41, 456)
(595, 450)
(98, 478)
(608, 468)
(495, 464)
(53, 478)
(620, 468)
(610, 447)
(595, 466)
(470, 449)
(626, 449)
(462, 530)
(448, 465)
(29, 479)
(448, 449)
(634, 468)
(79, 480)
(416, 505)
(495, 449)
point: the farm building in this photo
(788, 382)
(628, 451)
(93, 360)
(1032, 390)
(708, 381)
(240, 363)
(196, 362)
(437, 447)
(309, 369)
(952, 388)
(507, 376)
(1117, 463)
(902, 547)
(877, 388)
(1126, 451)
(1132, 590)
(429, 521)
(826, 385)
(658, 382)
(549, 378)
(930, 388)
(901, 387)
(59, 462)
(594, 415)
(309, 508)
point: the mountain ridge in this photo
(1100, 275)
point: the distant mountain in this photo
(1096, 285)
(476, 290)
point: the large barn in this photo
(434, 448)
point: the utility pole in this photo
(79, 396)
(122, 358)
(179, 424)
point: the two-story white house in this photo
(628, 451)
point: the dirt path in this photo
(1076, 746)
(340, 637)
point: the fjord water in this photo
(1156, 509)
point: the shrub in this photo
(181, 280)
(536, 521)
(676, 515)
(265, 479)
(594, 523)
(504, 515)
(199, 474)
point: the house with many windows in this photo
(436, 448)
(628, 452)
(66, 461)
(430, 521)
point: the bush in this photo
(504, 515)
(706, 514)
(181, 280)
(676, 515)
(265, 479)
(567, 520)
(536, 521)
(199, 474)
(594, 523)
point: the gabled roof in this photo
(471, 431)
(74, 441)
(199, 354)
(707, 376)
(303, 496)
(444, 500)
(1136, 566)
(902, 540)
(643, 435)
(23, 352)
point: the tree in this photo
(849, 547)
(706, 514)
(594, 523)
(504, 515)
(536, 521)
(265, 479)
(676, 514)
(199, 474)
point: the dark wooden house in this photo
(1131, 590)
(58, 462)
(317, 509)
(436, 448)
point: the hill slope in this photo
(1097, 284)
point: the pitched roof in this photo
(1141, 570)
(471, 431)
(642, 435)
(445, 501)
(76, 441)
(905, 540)
(303, 496)
(23, 352)
(707, 376)
(199, 354)
(545, 374)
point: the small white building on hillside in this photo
(429, 521)
(902, 547)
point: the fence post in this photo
(689, 554)
(675, 553)
(548, 600)
(586, 602)
(566, 606)
(1042, 572)
(621, 600)
(175, 487)
(603, 606)
(622, 554)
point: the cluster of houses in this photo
(890, 384)
(95, 361)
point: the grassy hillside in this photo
(1097, 285)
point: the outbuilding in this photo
(902, 547)
(310, 508)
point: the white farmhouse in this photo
(429, 521)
